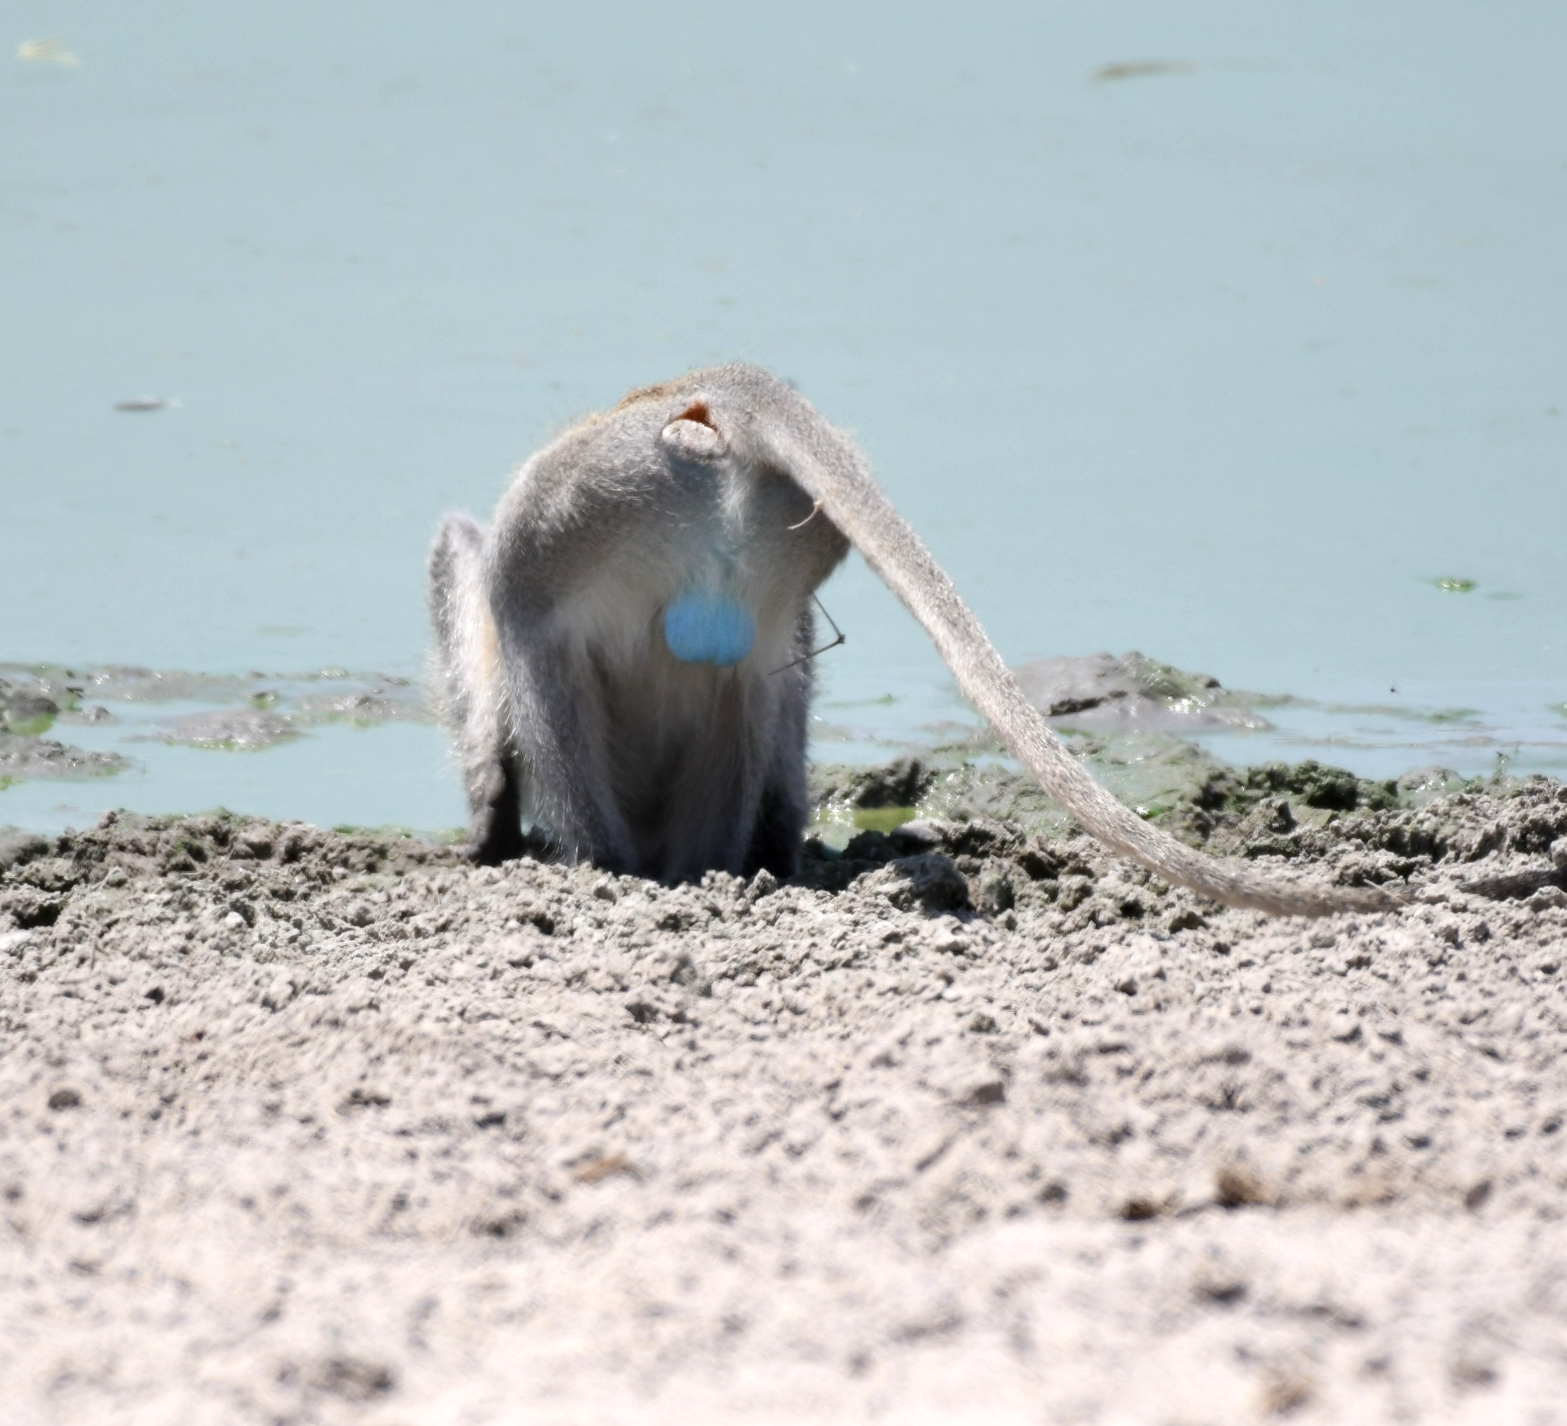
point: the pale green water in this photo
(1230, 363)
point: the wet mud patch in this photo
(234, 713)
(1105, 691)
(25, 757)
(1176, 784)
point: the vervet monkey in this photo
(624, 657)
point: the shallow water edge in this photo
(337, 748)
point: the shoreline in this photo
(316, 745)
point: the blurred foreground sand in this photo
(300, 1127)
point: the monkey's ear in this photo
(693, 435)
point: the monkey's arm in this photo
(471, 691)
(832, 472)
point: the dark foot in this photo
(501, 844)
(776, 842)
(497, 835)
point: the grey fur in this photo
(569, 709)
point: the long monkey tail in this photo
(826, 465)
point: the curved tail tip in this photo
(1334, 900)
(1381, 898)
(1322, 899)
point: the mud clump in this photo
(1104, 691)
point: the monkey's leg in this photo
(560, 730)
(785, 807)
(472, 692)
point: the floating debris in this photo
(50, 50)
(1143, 69)
(147, 403)
(1450, 585)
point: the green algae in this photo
(883, 819)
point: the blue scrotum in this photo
(703, 626)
